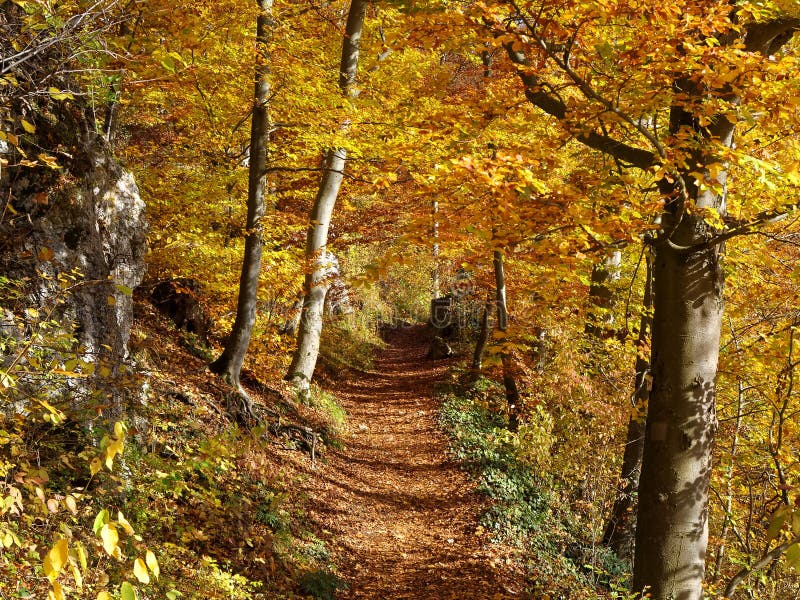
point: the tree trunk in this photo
(621, 527)
(435, 293)
(672, 532)
(672, 520)
(291, 325)
(510, 383)
(316, 282)
(229, 364)
(483, 337)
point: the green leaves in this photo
(127, 591)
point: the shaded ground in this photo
(402, 517)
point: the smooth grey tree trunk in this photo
(509, 381)
(672, 526)
(229, 364)
(317, 280)
(672, 519)
(621, 526)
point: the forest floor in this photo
(400, 516)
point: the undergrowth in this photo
(172, 501)
(525, 506)
(349, 343)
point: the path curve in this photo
(400, 516)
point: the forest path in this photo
(401, 515)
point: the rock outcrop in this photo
(76, 237)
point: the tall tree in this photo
(229, 364)
(621, 526)
(316, 284)
(509, 380)
(691, 155)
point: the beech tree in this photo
(229, 364)
(708, 76)
(316, 284)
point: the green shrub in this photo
(322, 585)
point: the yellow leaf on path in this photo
(76, 574)
(140, 571)
(127, 591)
(71, 504)
(80, 551)
(29, 127)
(104, 596)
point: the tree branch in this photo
(762, 562)
(537, 93)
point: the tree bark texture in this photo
(672, 520)
(509, 381)
(317, 281)
(229, 364)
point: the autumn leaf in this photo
(55, 559)
(110, 537)
(140, 571)
(152, 563)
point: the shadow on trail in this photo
(402, 516)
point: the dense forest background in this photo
(218, 216)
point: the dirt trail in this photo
(402, 517)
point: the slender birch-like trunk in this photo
(483, 337)
(317, 279)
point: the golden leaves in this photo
(55, 559)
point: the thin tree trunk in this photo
(316, 282)
(727, 521)
(229, 364)
(435, 252)
(621, 527)
(510, 383)
(483, 337)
